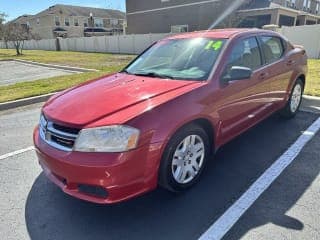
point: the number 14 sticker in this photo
(215, 45)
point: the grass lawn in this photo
(105, 63)
(313, 78)
(99, 61)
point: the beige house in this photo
(73, 21)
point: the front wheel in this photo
(184, 158)
(294, 102)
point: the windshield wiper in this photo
(153, 74)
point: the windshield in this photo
(188, 59)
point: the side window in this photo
(272, 48)
(284, 44)
(245, 53)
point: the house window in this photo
(114, 21)
(67, 22)
(98, 22)
(38, 21)
(179, 28)
(287, 3)
(305, 3)
(76, 22)
(24, 26)
(107, 22)
(85, 22)
(57, 20)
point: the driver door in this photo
(244, 101)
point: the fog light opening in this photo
(95, 191)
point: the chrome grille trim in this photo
(53, 136)
(59, 133)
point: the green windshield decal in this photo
(215, 45)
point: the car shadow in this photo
(275, 204)
(51, 214)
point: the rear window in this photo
(272, 48)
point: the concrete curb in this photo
(67, 68)
(311, 98)
(310, 104)
(25, 101)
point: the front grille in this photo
(65, 129)
(58, 136)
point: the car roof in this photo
(217, 33)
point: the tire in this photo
(294, 102)
(184, 158)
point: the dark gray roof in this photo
(22, 19)
(82, 11)
(74, 11)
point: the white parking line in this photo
(219, 228)
(16, 152)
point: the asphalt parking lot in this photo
(33, 208)
(14, 72)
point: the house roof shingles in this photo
(70, 10)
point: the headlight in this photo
(117, 138)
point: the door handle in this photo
(263, 76)
(291, 62)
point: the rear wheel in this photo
(294, 102)
(184, 158)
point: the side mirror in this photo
(237, 73)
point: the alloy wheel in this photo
(296, 98)
(188, 159)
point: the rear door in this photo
(278, 67)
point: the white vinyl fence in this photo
(44, 44)
(130, 44)
(308, 36)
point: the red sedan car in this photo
(159, 120)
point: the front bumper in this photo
(120, 175)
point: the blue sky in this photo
(15, 8)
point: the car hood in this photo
(92, 101)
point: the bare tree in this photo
(17, 34)
(2, 20)
(4, 35)
(3, 29)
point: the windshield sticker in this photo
(215, 45)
